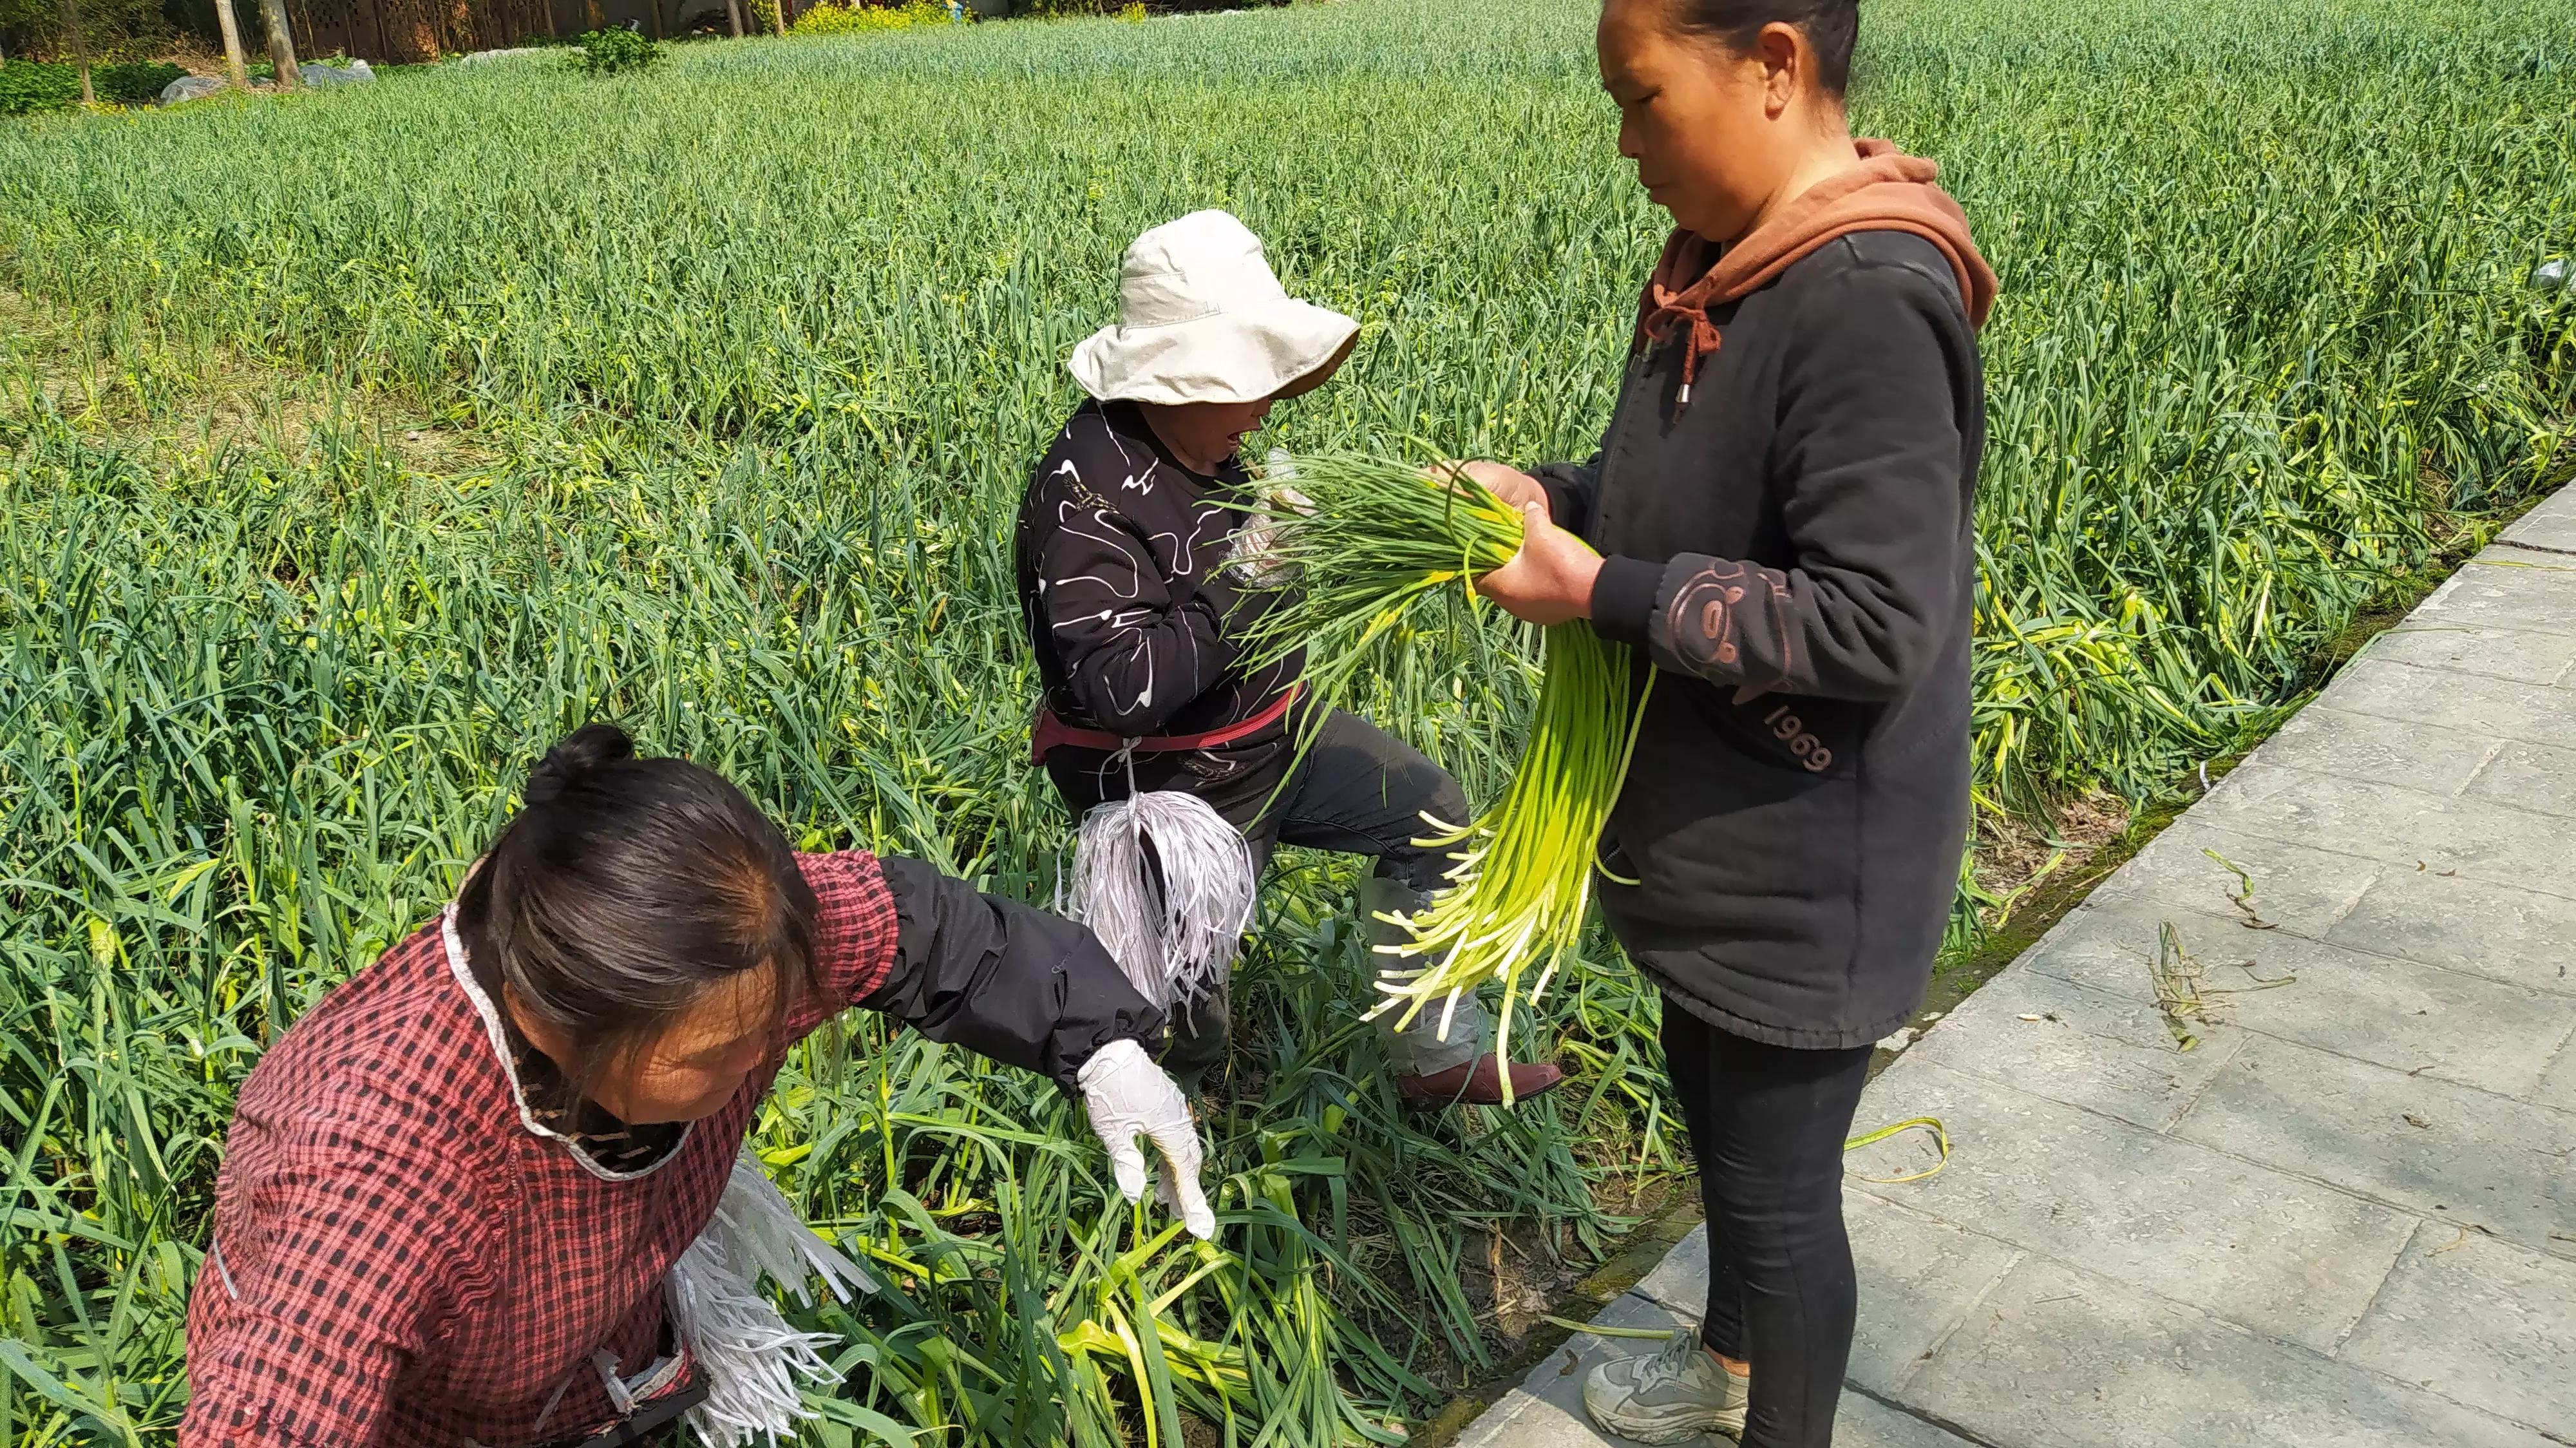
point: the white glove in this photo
(1129, 1096)
(1254, 558)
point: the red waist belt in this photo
(1050, 732)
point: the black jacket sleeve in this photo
(1572, 489)
(1004, 980)
(1868, 441)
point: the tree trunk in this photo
(234, 64)
(80, 48)
(281, 44)
(733, 16)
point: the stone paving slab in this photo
(2425, 757)
(2502, 708)
(2558, 1085)
(2511, 654)
(2099, 1050)
(2293, 1258)
(2496, 931)
(2502, 589)
(2275, 800)
(2058, 1356)
(2485, 840)
(1546, 1410)
(2549, 526)
(1928, 1276)
(2435, 1151)
(2404, 1014)
(2478, 1321)
(2346, 1217)
(2301, 888)
(2529, 776)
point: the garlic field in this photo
(354, 446)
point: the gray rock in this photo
(192, 88)
(2550, 276)
(323, 77)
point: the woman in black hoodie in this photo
(1780, 517)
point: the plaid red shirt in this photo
(400, 1262)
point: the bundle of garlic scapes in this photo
(1381, 538)
(1522, 885)
(1368, 542)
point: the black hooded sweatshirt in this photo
(1793, 548)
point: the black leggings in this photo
(1767, 1124)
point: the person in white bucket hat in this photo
(1202, 319)
(1137, 588)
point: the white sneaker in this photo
(1671, 1397)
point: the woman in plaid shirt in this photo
(457, 1191)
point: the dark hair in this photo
(1831, 27)
(624, 890)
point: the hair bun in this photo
(573, 759)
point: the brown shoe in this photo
(1479, 1083)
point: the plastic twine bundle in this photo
(1168, 887)
(752, 1359)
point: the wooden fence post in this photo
(233, 61)
(281, 45)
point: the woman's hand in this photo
(1129, 1096)
(1550, 579)
(1502, 480)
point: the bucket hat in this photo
(1201, 318)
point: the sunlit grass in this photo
(753, 351)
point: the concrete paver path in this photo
(2347, 1215)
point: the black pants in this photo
(1767, 1124)
(1359, 790)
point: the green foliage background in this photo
(615, 52)
(752, 352)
